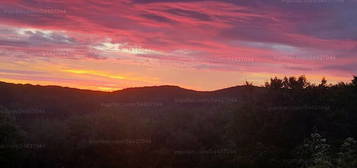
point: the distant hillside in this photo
(58, 99)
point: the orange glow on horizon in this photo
(88, 72)
(261, 78)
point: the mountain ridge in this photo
(166, 87)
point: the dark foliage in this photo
(289, 123)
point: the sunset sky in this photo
(196, 44)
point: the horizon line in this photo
(147, 86)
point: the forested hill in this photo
(56, 99)
(287, 123)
